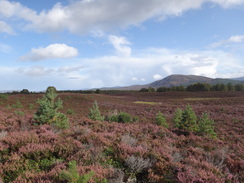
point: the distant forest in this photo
(197, 87)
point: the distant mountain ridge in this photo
(239, 79)
(177, 80)
(182, 80)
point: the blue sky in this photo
(81, 44)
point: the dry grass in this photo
(148, 103)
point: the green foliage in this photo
(186, 120)
(19, 113)
(98, 91)
(206, 126)
(71, 112)
(48, 110)
(239, 87)
(24, 91)
(31, 106)
(199, 87)
(177, 118)
(161, 120)
(143, 90)
(162, 89)
(124, 117)
(150, 89)
(72, 175)
(230, 87)
(189, 120)
(3, 96)
(95, 113)
(17, 105)
(113, 118)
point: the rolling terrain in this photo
(181, 80)
(139, 151)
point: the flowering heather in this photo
(118, 152)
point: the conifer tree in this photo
(177, 119)
(95, 113)
(189, 120)
(161, 120)
(48, 110)
(206, 126)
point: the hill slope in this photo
(176, 80)
(184, 80)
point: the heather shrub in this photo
(137, 164)
(48, 110)
(72, 175)
(206, 126)
(161, 120)
(3, 134)
(95, 113)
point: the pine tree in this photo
(177, 119)
(189, 120)
(161, 120)
(95, 113)
(206, 126)
(48, 110)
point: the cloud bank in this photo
(84, 16)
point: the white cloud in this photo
(122, 71)
(119, 44)
(236, 39)
(15, 9)
(134, 79)
(232, 39)
(4, 27)
(228, 3)
(51, 52)
(35, 71)
(109, 71)
(157, 77)
(69, 69)
(102, 15)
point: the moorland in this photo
(137, 148)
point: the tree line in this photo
(197, 87)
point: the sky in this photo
(84, 44)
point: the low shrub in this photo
(72, 175)
(124, 117)
(113, 118)
(71, 112)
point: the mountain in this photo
(178, 80)
(239, 79)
